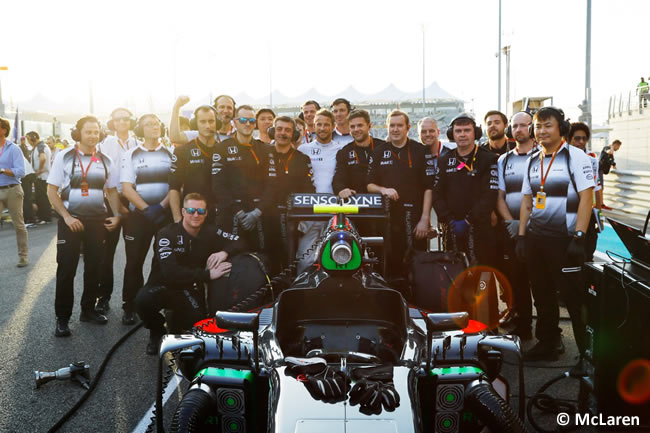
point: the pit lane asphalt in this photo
(127, 389)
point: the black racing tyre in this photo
(192, 411)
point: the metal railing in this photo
(628, 102)
(628, 192)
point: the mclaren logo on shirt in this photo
(386, 154)
(232, 150)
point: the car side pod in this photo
(170, 343)
(249, 322)
(442, 322)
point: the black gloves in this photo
(155, 213)
(323, 383)
(520, 248)
(374, 389)
(576, 255)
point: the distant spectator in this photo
(301, 126)
(24, 148)
(607, 162)
(12, 168)
(40, 159)
(642, 91)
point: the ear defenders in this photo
(75, 133)
(509, 128)
(111, 124)
(139, 127)
(194, 126)
(565, 124)
(294, 137)
(478, 133)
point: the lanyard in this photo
(469, 168)
(408, 149)
(541, 162)
(196, 141)
(84, 174)
(122, 144)
(372, 147)
(286, 163)
(250, 147)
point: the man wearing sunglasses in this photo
(187, 254)
(121, 122)
(239, 189)
(144, 174)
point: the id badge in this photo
(540, 200)
(84, 189)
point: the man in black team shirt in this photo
(496, 123)
(78, 178)
(194, 163)
(465, 191)
(557, 196)
(351, 175)
(398, 171)
(144, 174)
(224, 106)
(239, 187)
(288, 171)
(188, 254)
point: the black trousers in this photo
(187, 307)
(138, 232)
(106, 273)
(517, 274)
(28, 200)
(67, 258)
(403, 219)
(43, 203)
(546, 257)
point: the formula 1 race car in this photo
(340, 351)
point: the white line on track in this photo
(171, 388)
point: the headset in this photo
(294, 137)
(565, 124)
(111, 125)
(509, 128)
(194, 126)
(75, 133)
(478, 133)
(139, 127)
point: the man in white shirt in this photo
(40, 162)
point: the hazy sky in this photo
(127, 48)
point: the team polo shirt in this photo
(323, 162)
(193, 165)
(287, 173)
(570, 173)
(66, 174)
(114, 148)
(403, 169)
(148, 171)
(512, 168)
(352, 163)
(41, 148)
(340, 138)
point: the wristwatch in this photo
(579, 234)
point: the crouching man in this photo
(187, 255)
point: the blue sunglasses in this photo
(246, 119)
(199, 210)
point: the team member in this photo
(398, 172)
(558, 189)
(121, 122)
(289, 171)
(240, 185)
(352, 161)
(264, 120)
(341, 108)
(40, 160)
(308, 113)
(188, 254)
(144, 175)
(301, 126)
(512, 167)
(465, 191)
(224, 106)
(12, 168)
(605, 164)
(578, 137)
(194, 163)
(322, 153)
(82, 174)
(496, 123)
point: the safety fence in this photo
(628, 192)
